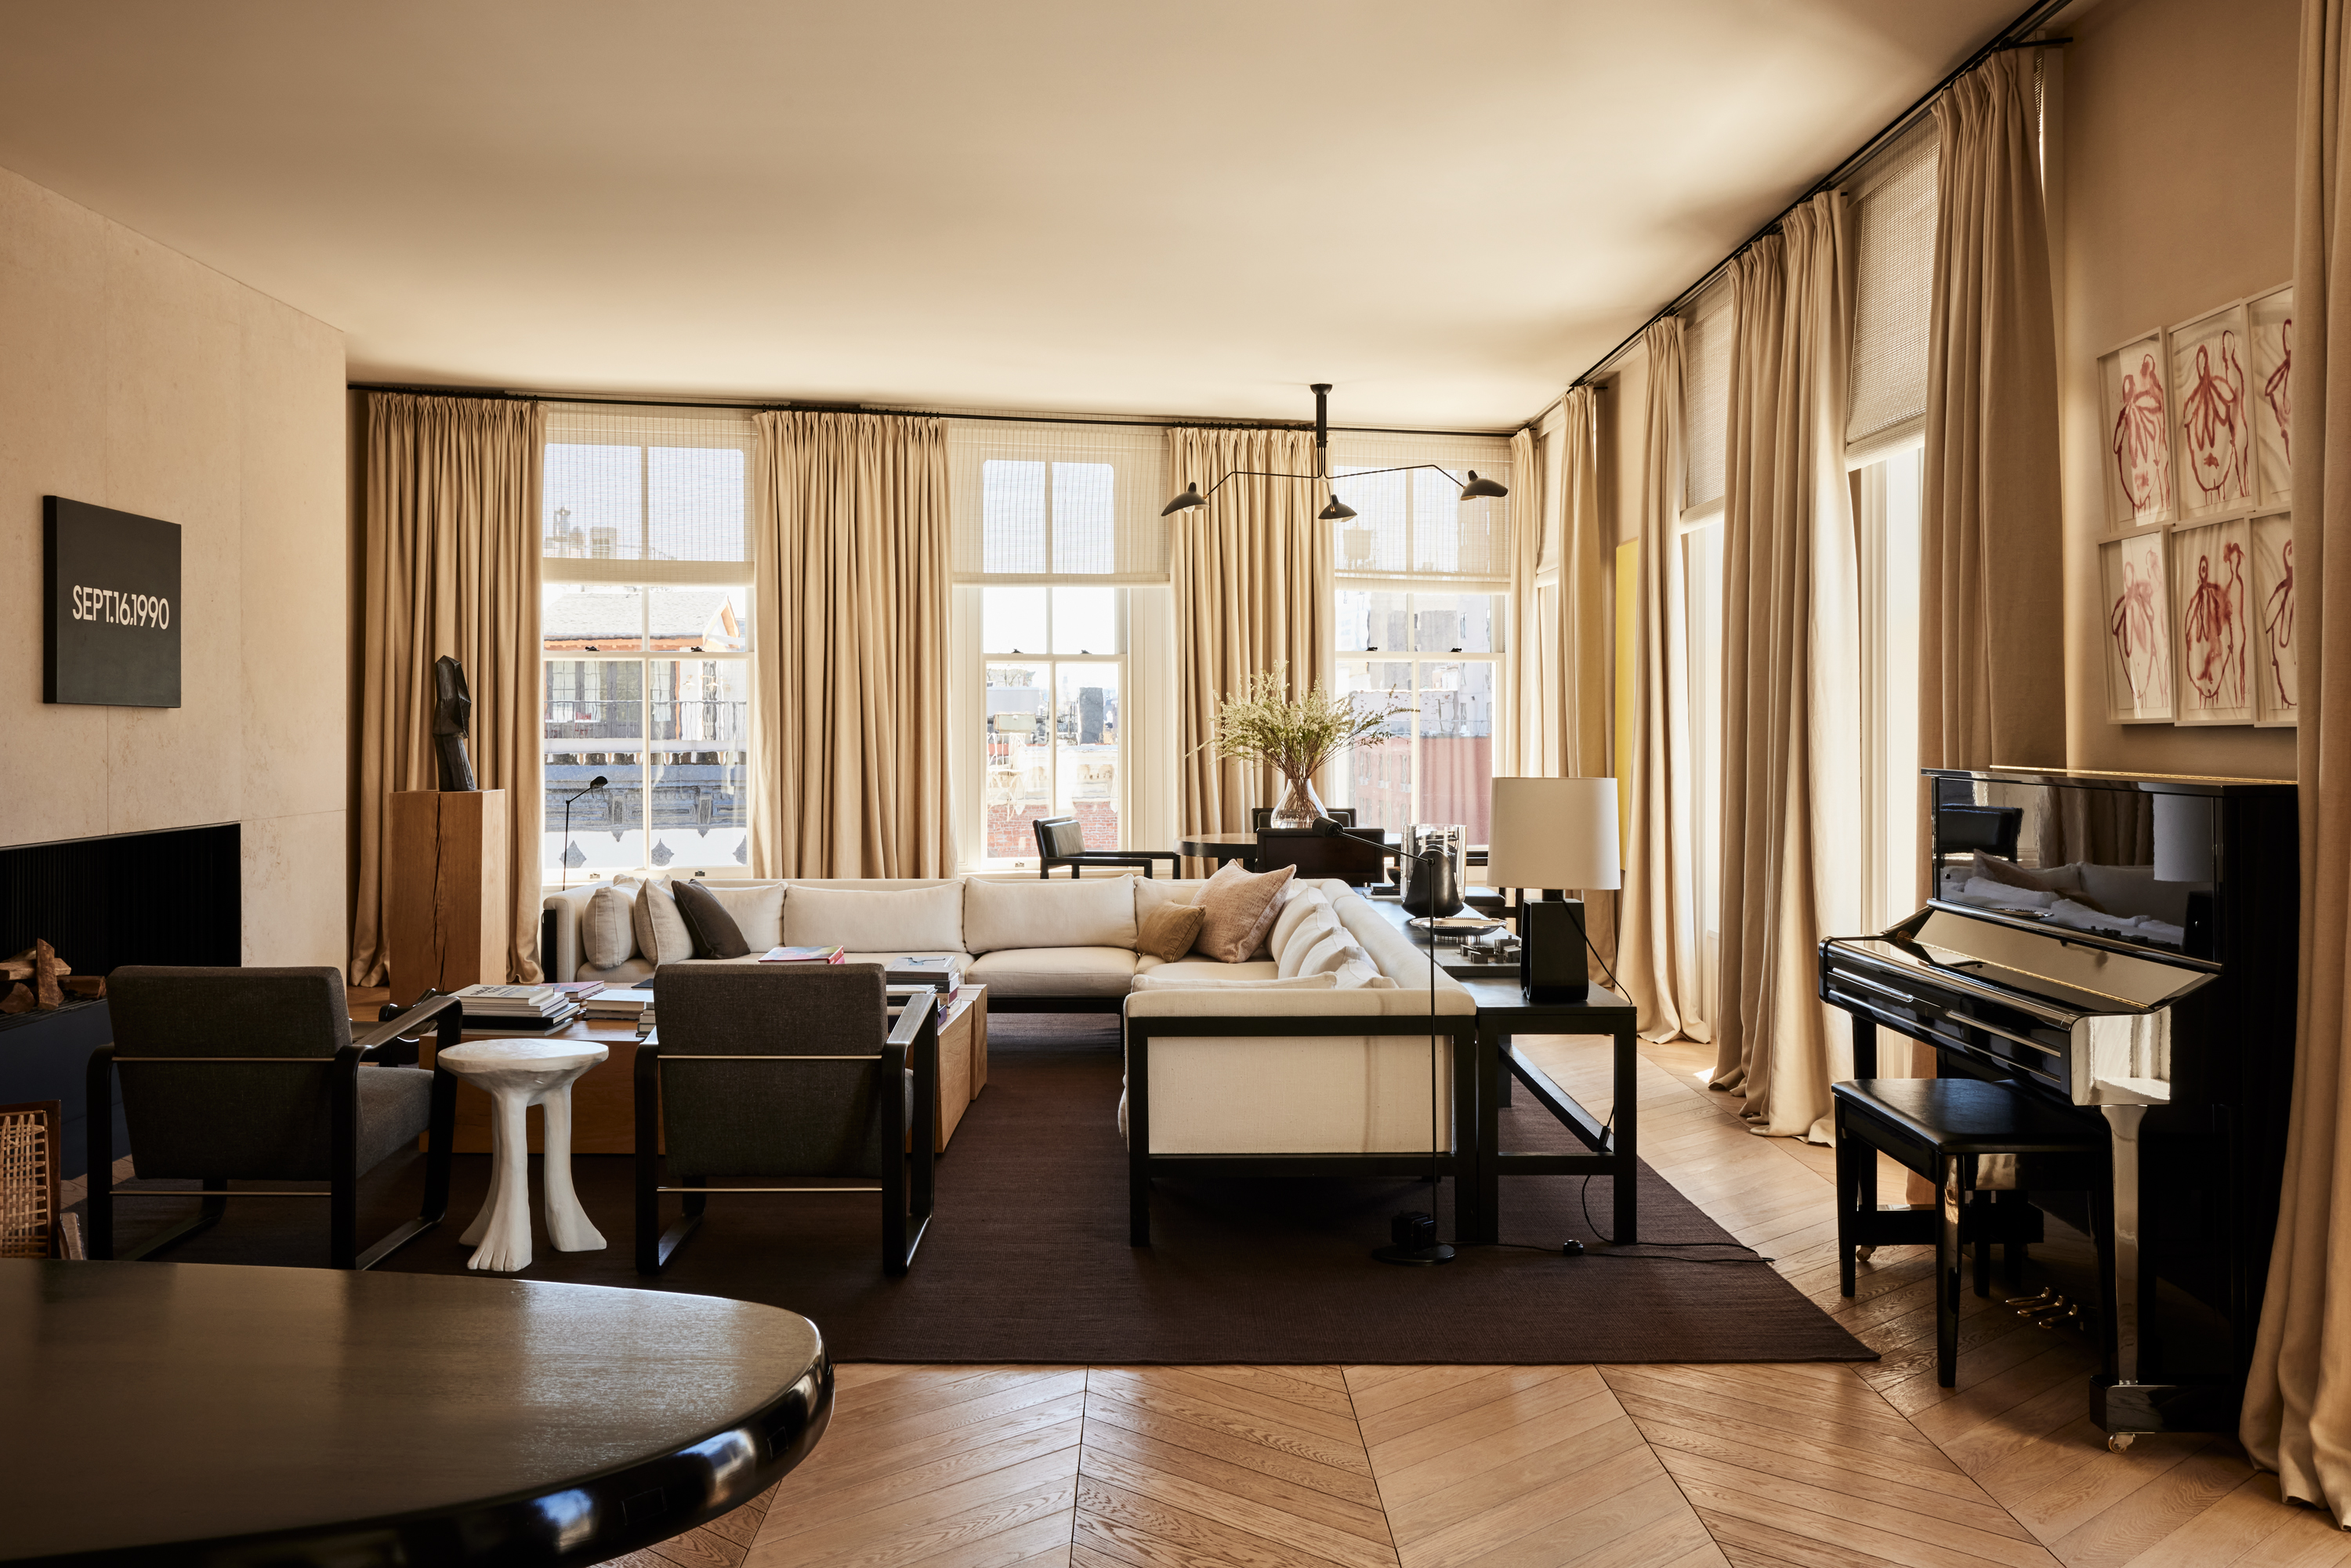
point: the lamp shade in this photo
(1335, 511)
(1477, 487)
(1554, 832)
(1190, 497)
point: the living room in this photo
(1520, 723)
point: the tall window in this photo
(1888, 493)
(1705, 403)
(1419, 611)
(646, 626)
(1054, 741)
(1057, 535)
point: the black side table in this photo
(1503, 1012)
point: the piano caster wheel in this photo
(2120, 1442)
(1863, 1254)
(2027, 1305)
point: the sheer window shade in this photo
(1058, 503)
(636, 494)
(1894, 273)
(1414, 525)
(1705, 398)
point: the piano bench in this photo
(1939, 1127)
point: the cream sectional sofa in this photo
(1233, 1069)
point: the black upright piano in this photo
(2122, 947)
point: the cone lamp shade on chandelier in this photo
(1333, 510)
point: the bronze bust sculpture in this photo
(453, 715)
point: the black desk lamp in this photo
(595, 783)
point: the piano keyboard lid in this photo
(2087, 976)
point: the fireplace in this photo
(170, 897)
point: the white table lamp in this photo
(1552, 834)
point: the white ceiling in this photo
(1448, 210)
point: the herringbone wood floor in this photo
(1537, 1467)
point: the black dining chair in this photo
(1360, 860)
(1061, 840)
(1261, 816)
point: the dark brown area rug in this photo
(1028, 1259)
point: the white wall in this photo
(134, 377)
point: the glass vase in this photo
(1300, 806)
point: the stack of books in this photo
(804, 955)
(517, 1007)
(941, 975)
(620, 1002)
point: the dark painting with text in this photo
(111, 616)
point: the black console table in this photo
(1612, 1148)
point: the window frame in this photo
(1051, 663)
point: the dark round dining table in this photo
(1222, 847)
(191, 1413)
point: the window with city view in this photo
(646, 672)
(1055, 667)
(1420, 624)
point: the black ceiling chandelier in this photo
(1334, 509)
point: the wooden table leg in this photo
(1482, 1219)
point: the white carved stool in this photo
(519, 1074)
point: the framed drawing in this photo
(2137, 426)
(2215, 421)
(2137, 603)
(2213, 623)
(2276, 688)
(2268, 318)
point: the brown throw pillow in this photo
(1168, 932)
(714, 933)
(1238, 909)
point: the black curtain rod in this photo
(2033, 15)
(497, 394)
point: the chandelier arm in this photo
(1330, 479)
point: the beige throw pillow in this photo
(608, 936)
(1168, 932)
(661, 936)
(1239, 908)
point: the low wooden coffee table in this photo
(604, 1099)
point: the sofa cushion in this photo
(1241, 907)
(1290, 952)
(1360, 974)
(1054, 971)
(1209, 969)
(1168, 932)
(1325, 956)
(1302, 905)
(627, 972)
(757, 909)
(1161, 980)
(661, 936)
(714, 933)
(873, 920)
(1038, 913)
(608, 934)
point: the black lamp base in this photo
(1552, 966)
(1412, 1241)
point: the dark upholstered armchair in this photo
(253, 1075)
(770, 1071)
(1062, 841)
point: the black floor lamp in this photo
(595, 783)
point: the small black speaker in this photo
(1413, 1229)
(1550, 951)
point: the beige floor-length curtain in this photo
(2297, 1415)
(1252, 578)
(451, 565)
(1658, 952)
(1992, 590)
(1559, 628)
(1792, 745)
(849, 518)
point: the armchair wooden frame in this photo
(1077, 861)
(907, 1201)
(384, 1044)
